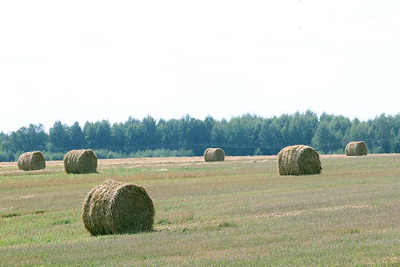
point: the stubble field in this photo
(236, 212)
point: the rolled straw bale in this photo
(358, 148)
(80, 161)
(214, 154)
(299, 160)
(117, 208)
(30, 161)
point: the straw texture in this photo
(358, 148)
(30, 161)
(80, 161)
(214, 154)
(117, 208)
(298, 160)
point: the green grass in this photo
(232, 213)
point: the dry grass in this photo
(358, 148)
(239, 212)
(31, 161)
(80, 161)
(116, 208)
(214, 154)
(298, 160)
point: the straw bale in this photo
(358, 148)
(30, 161)
(80, 161)
(298, 160)
(117, 208)
(214, 154)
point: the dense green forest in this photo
(244, 135)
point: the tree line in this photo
(243, 135)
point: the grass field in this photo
(236, 212)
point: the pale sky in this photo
(93, 60)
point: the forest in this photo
(242, 135)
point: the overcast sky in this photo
(93, 60)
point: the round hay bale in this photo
(80, 161)
(358, 148)
(214, 154)
(30, 161)
(299, 160)
(117, 208)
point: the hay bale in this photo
(80, 161)
(30, 161)
(117, 208)
(214, 154)
(299, 160)
(358, 148)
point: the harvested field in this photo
(236, 212)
